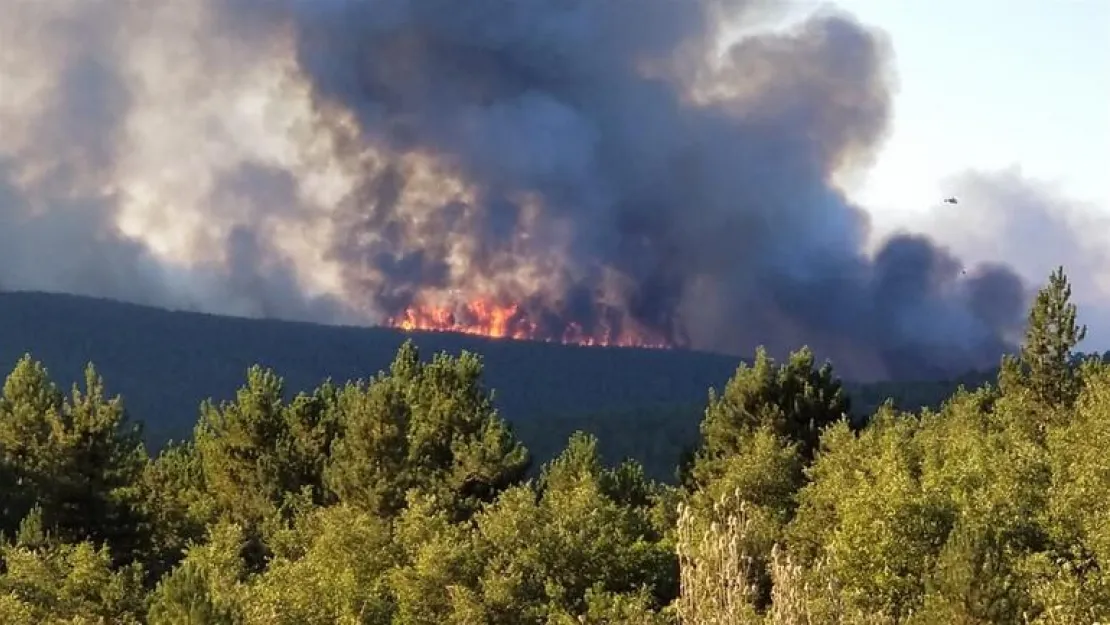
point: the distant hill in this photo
(644, 403)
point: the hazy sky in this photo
(990, 84)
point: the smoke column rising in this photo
(1032, 226)
(595, 165)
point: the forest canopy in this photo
(407, 498)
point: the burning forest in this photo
(487, 318)
(626, 172)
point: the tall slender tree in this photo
(1046, 364)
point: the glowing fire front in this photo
(486, 318)
(481, 317)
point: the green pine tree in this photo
(75, 458)
(1045, 367)
(429, 426)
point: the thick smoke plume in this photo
(599, 164)
(1030, 225)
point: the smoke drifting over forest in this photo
(597, 164)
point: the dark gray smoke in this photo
(697, 201)
(1005, 216)
(595, 163)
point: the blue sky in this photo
(991, 84)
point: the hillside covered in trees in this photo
(641, 403)
(405, 498)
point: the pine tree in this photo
(75, 458)
(430, 426)
(1047, 353)
(794, 400)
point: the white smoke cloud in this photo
(138, 139)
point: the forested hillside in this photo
(642, 403)
(405, 498)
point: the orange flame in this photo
(480, 317)
(485, 318)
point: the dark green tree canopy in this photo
(794, 400)
(428, 426)
(75, 458)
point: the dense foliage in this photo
(406, 498)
